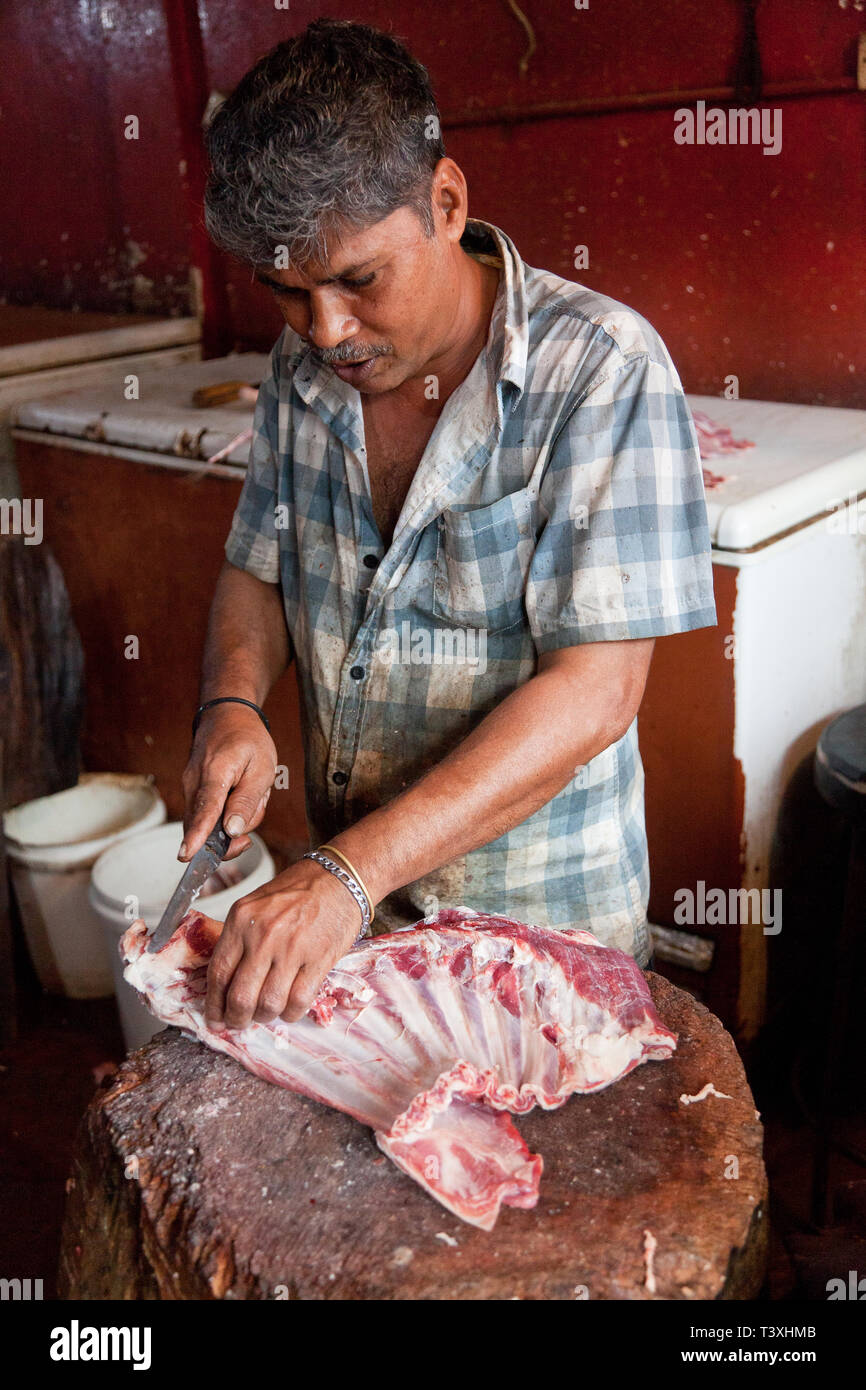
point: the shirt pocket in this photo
(482, 562)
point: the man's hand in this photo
(277, 946)
(231, 769)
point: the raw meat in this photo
(714, 439)
(431, 1034)
(713, 480)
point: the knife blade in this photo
(204, 862)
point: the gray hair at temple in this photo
(333, 129)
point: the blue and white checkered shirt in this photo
(560, 500)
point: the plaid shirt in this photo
(560, 500)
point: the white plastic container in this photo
(52, 844)
(136, 879)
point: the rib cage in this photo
(429, 1034)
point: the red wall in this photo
(746, 263)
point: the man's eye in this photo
(294, 292)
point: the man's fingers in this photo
(226, 957)
(246, 804)
(207, 804)
(237, 846)
(274, 993)
(303, 992)
(260, 810)
(242, 995)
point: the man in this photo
(450, 445)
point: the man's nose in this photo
(330, 324)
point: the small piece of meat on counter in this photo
(713, 480)
(714, 441)
(431, 1035)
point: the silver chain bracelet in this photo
(349, 882)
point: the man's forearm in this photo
(247, 647)
(518, 758)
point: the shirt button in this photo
(357, 673)
(371, 561)
(340, 778)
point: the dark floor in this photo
(49, 1074)
(47, 1077)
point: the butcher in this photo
(473, 502)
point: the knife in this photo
(204, 862)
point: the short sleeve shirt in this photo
(559, 500)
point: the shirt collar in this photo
(507, 342)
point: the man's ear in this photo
(450, 198)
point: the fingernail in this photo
(234, 825)
(181, 854)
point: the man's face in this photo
(381, 309)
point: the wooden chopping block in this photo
(193, 1179)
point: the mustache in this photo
(345, 353)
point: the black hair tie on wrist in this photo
(227, 700)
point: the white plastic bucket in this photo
(52, 844)
(136, 879)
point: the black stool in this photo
(840, 776)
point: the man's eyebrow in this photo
(350, 272)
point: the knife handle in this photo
(218, 841)
(217, 393)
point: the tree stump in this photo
(193, 1179)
